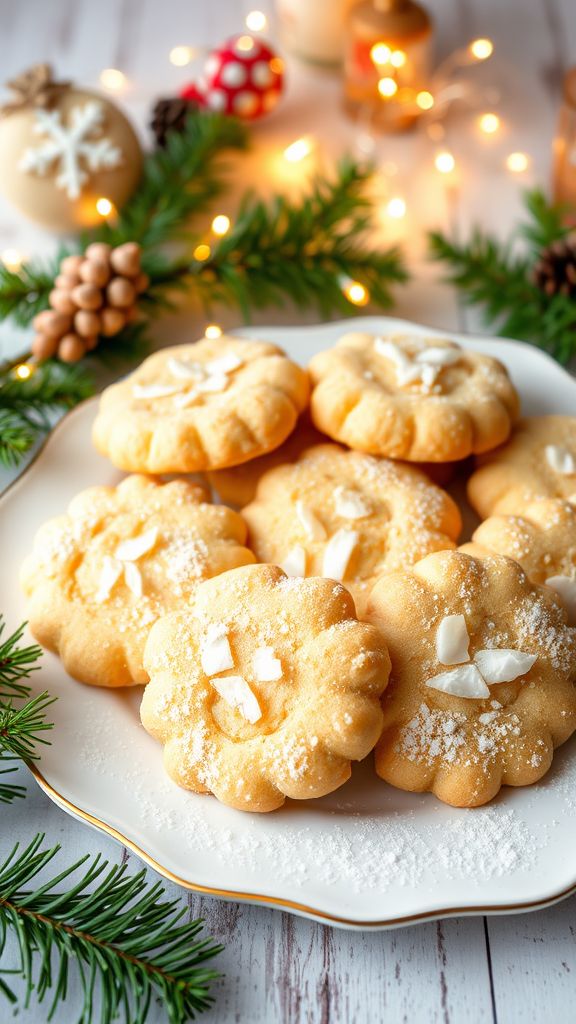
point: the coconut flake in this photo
(337, 553)
(224, 364)
(560, 459)
(215, 382)
(464, 681)
(154, 390)
(132, 549)
(503, 665)
(109, 575)
(267, 667)
(295, 562)
(309, 520)
(452, 640)
(133, 578)
(565, 587)
(236, 692)
(185, 399)
(185, 371)
(438, 357)
(215, 654)
(390, 350)
(350, 504)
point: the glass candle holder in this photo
(564, 172)
(387, 62)
(314, 29)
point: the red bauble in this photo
(243, 78)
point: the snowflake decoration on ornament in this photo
(71, 147)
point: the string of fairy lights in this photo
(432, 103)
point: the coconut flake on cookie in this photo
(452, 640)
(315, 530)
(295, 562)
(504, 665)
(238, 695)
(267, 667)
(350, 503)
(560, 459)
(463, 681)
(109, 575)
(565, 587)
(215, 653)
(132, 549)
(154, 390)
(338, 553)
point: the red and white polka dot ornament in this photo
(243, 78)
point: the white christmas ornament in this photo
(77, 148)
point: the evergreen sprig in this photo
(113, 928)
(21, 725)
(26, 406)
(24, 292)
(498, 277)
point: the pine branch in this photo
(496, 277)
(122, 939)
(24, 292)
(16, 663)
(27, 405)
(20, 725)
(177, 181)
(303, 250)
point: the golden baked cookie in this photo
(264, 687)
(203, 406)
(101, 575)
(482, 683)
(542, 540)
(348, 516)
(539, 461)
(237, 485)
(409, 397)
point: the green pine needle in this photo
(113, 928)
(20, 724)
(24, 292)
(16, 663)
(26, 406)
(497, 277)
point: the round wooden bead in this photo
(60, 300)
(141, 283)
(125, 259)
(44, 347)
(99, 251)
(113, 320)
(71, 348)
(90, 343)
(87, 296)
(52, 323)
(86, 323)
(66, 281)
(70, 264)
(120, 292)
(131, 314)
(95, 272)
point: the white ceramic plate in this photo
(367, 856)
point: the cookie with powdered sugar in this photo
(482, 687)
(209, 405)
(99, 576)
(539, 461)
(264, 687)
(410, 397)
(349, 517)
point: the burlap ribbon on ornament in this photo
(34, 88)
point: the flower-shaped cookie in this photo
(203, 406)
(101, 575)
(263, 688)
(482, 682)
(539, 461)
(237, 485)
(348, 516)
(410, 397)
(542, 540)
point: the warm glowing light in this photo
(380, 53)
(221, 224)
(445, 162)
(180, 56)
(244, 44)
(489, 123)
(517, 162)
(396, 207)
(387, 87)
(12, 259)
(202, 252)
(481, 49)
(112, 79)
(104, 206)
(213, 331)
(298, 150)
(256, 21)
(24, 371)
(425, 100)
(356, 293)
(276, 64)
(398, 59)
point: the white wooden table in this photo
(278, 968)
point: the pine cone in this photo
(168, 115)
(555, 271)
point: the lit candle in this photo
(564, 174)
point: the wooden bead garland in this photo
(94, 296)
